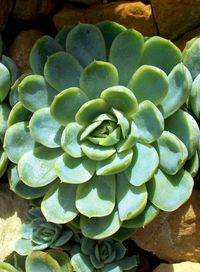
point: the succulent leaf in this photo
(67, 68)
(98, 76)
(35, 93)
(102, 190)
(163, 187)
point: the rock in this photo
(31, 9)
(21, 48)
(130, 14)
(186, 37)
(135, 15)
(69, 15)
(175, 17)
(179, 267)
(12, 213)
(174, 236)
(6, 7)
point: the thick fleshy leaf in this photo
(144, 218)
(122, 121)
(191, 56)
(91, 110)
(3, 161)
(131, 200)
(149, 83)
(66, 104)
(161, 53)
(62, 35)
(12, 68)
(45, 129)
(62, 71)
(128, 262)
(183, 125)
(44, 47)
(43, 160)
(126, 51)
(89, 129)
(70, 140)
(110, 31)
(110, 140)
(81, 262)
(123, 234)
(195, 97)
(62, 258)
(178, 91)
(114, 164)
(146, 158)
(169, 192)
(86, 43)
(172, 153)
(18, 114)
(74, 170)
(121, 98)
(130, 140)
(149, 121)
(98, 76)
(5, 82)
(35, 93)
(96, 198)
(58, 205)
(41, 261)
(13, 94)
(192, 165)
(18, 141)
(4, 115)
(6, 267)
(100, 227)
(21, 189)
(96, 152)
(24, 247)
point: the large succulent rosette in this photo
(107, 141)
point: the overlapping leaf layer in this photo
(99, 130)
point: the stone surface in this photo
(176, 17)
(6, 7)
(174, 236)
(130, 14)
(186, 37)
(31, 9)
(21, 47)
(179, 267)
(12, 213)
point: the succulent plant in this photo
(52, 261)
(103, 256)
(38, 234)
(98, 128)
(8, 74)
(191, 59)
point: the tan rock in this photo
(130, 14)
(186, 37)
(174, 236)
(6, 7)
(179, 267)
(12, 213)
(31, 9)
(175, 17)
(21, 48)
(69, 15)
